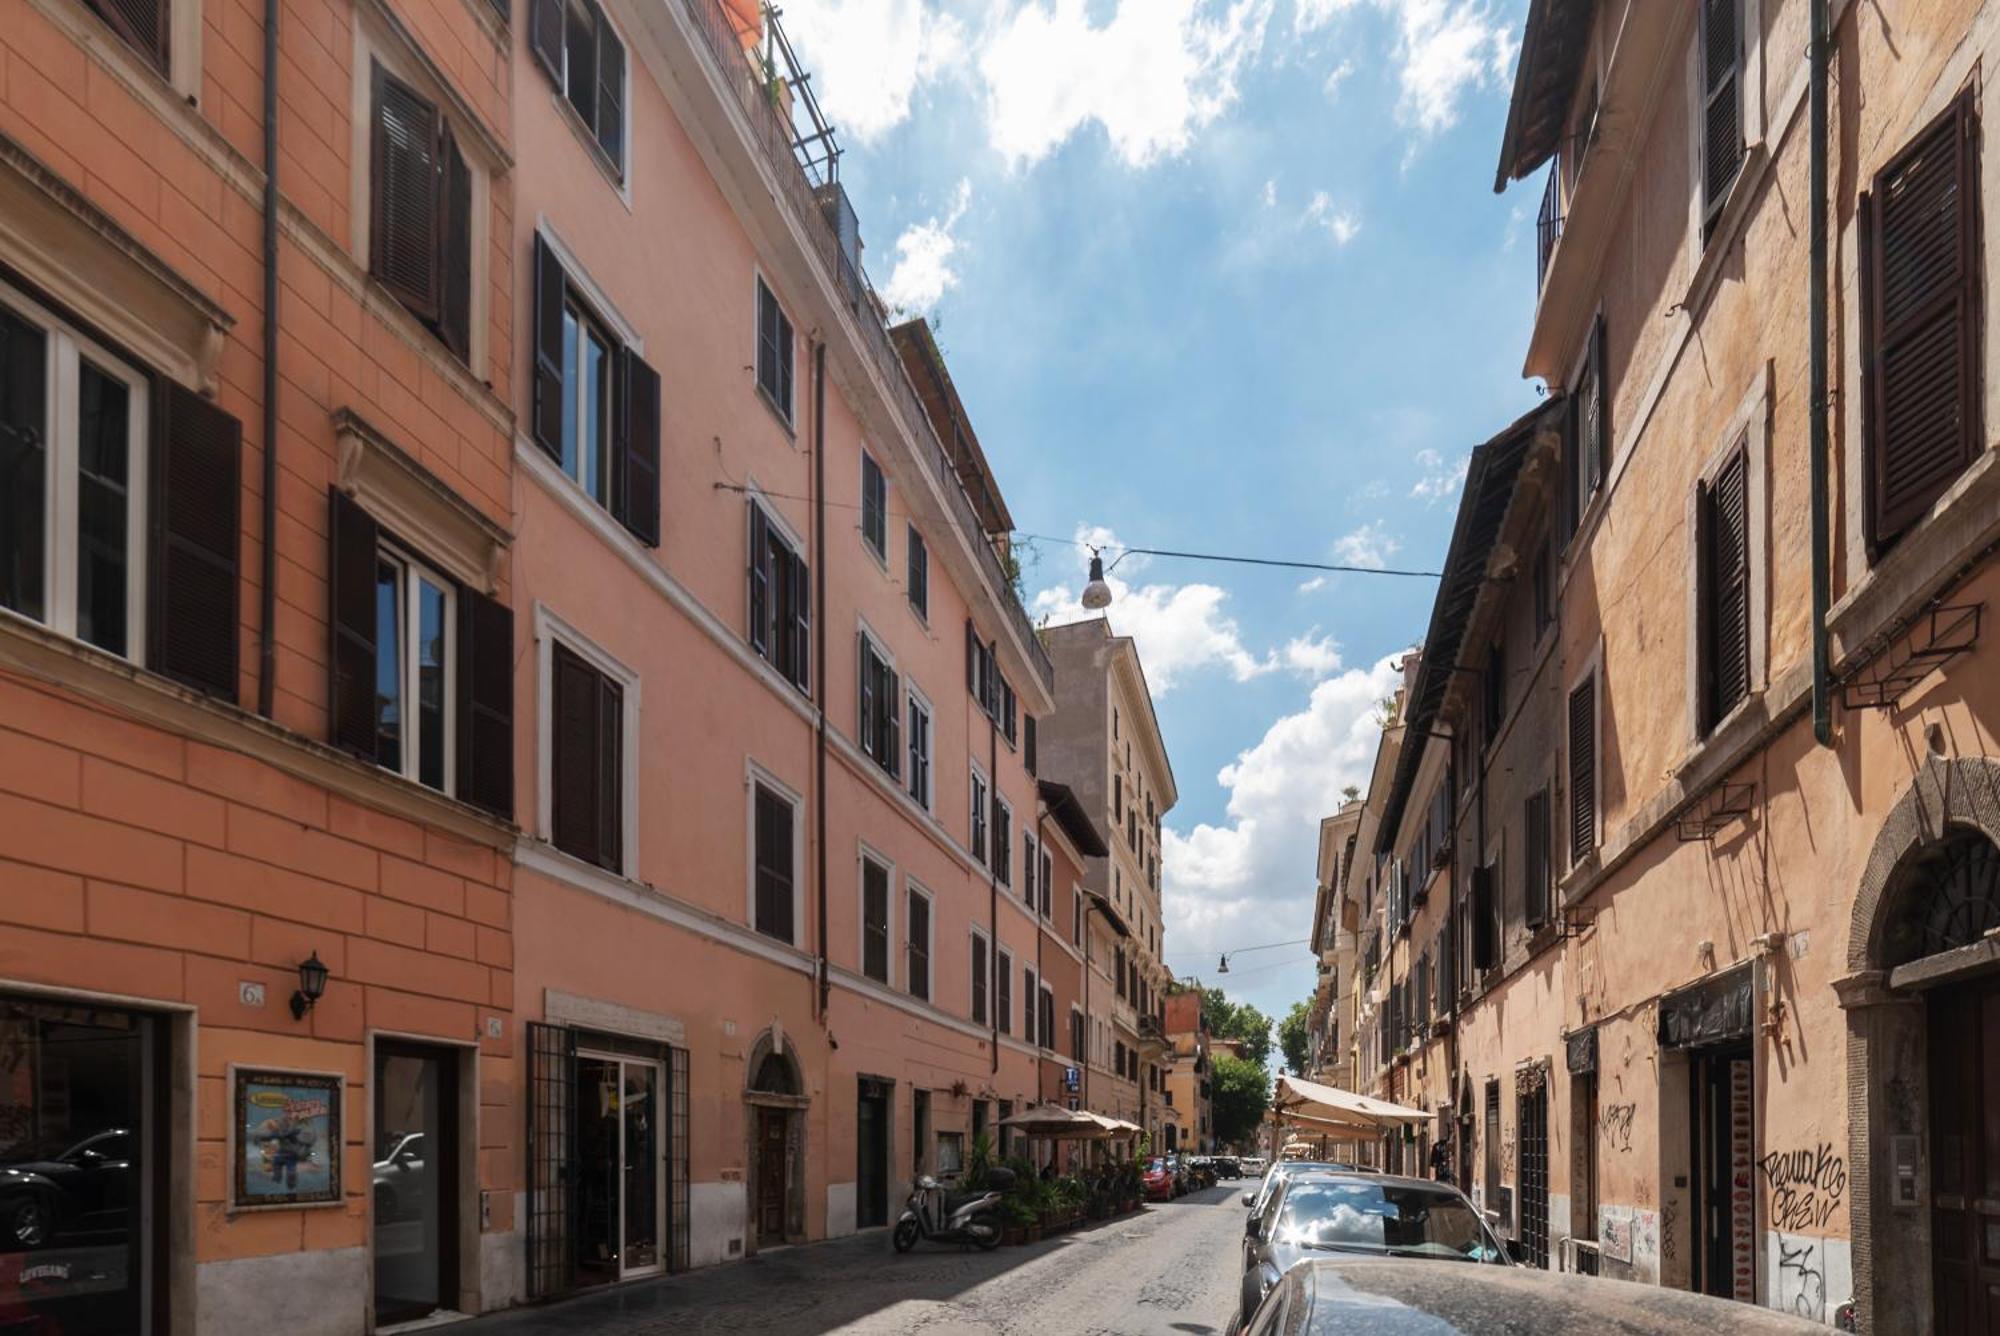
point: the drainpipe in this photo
(1816, 448)
(819, 655)
(267, 643)
(1041, 931)
(993, 852)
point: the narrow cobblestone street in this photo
(1170, 1269)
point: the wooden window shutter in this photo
(868, 724)
(551, 289)
(575, 768)
(1599, 460)
(455, 249)
(610, 91)
(971, 657)
(1583, 769)
(193, 563)
(1921, 314)
(799, 621)
(639, 450)
(351, 566)
(773, 841)
(485, 674)
(760, 581)
(545, 36)
(1724, 514)
(404, 239)
(610, 803)
(1722, 111)
(1536, 857)
(1028, 742)
(146, 24)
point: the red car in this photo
(1158, 1180)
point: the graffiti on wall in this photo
(1618, 1126)
(1614, 1233)
(1801, 1283)
(1807, 1186)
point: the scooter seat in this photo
(954, 1200)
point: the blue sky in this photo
(1221, 275)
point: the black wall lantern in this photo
(312, 983)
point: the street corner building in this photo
(1674, 893)
(522, 763)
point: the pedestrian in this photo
(1441, 1160)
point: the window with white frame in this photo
(875, 930)
(580, 49)
(874, 506)
(982, 961)
(918, 736)
(881, 706)
(774, 867)
(979, 815)
(589, 720)
(774, 351)
(780, 597)
(421, 199)
(73, 459)
(415, 658)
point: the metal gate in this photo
(551, 1134)
(1532, 1092)
(677, 1159)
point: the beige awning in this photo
(1053, 1120)
(1114, 1127)
(1325, 1105)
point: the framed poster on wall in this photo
(285, 1139)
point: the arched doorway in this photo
(1923, 1009)
(775, 1100)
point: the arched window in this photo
(774, 1076)
(1946, 895)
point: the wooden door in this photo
(871, 1130)
(770, 1176)
(1965, 1159)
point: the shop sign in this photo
(1714, 1011)
(1582, 1052)
(286, 1135)
(1072, 1078)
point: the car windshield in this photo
(1390, 1218)
(1156, 1166)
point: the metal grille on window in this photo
(551, 1128)
(677, 1157)
(1531, 1089)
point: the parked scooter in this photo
(943, 1216)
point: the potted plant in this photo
(1020, 1219)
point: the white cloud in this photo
(1439, 480)
(923, 272)
(1180, 629)
(1336, 77)
(1249, 879)
(1367, 546)
(1311, 15)
(869, 58)
(1446, 48)
(1312, 586)
(1151, 76)
(1343, 225)
(1271, 193)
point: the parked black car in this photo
(1370, 1215)
(1226, 1166)
(55, 1189)
(1278, 1172)
(1340, 1294)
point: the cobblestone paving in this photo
(1171, 1270)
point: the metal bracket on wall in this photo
(1574, 923)
(1720, 806)
(1936, 636)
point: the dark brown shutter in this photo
(773, 842)
(1028, 742)
(1922, 305)
(610, 803)
(760, 581)
(639, 450)
(799, 621)
(1583, 769)
(1536, 858)
(971, 658)
(351, 573)
(1599, 462)
(610, 92)
(550, 291)
(455, 249)
(576, 766)
(1725, 538)
(404, 236)
(144, 23)
(1722, 112)
(545, 36)
(196, 518)
(486, 703)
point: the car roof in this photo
(1412, 1295)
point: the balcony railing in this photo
(1549, 224)
(806, 175)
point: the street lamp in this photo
(312, 983)
(1096, 594)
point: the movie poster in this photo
(287, 1139)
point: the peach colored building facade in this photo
(1721, 1010)
(203, 783)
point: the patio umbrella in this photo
(1055, 1122)
(1329, 1106)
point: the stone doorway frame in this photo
(793, 1107)
(1888, 1091)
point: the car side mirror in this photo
(1249, 1200)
